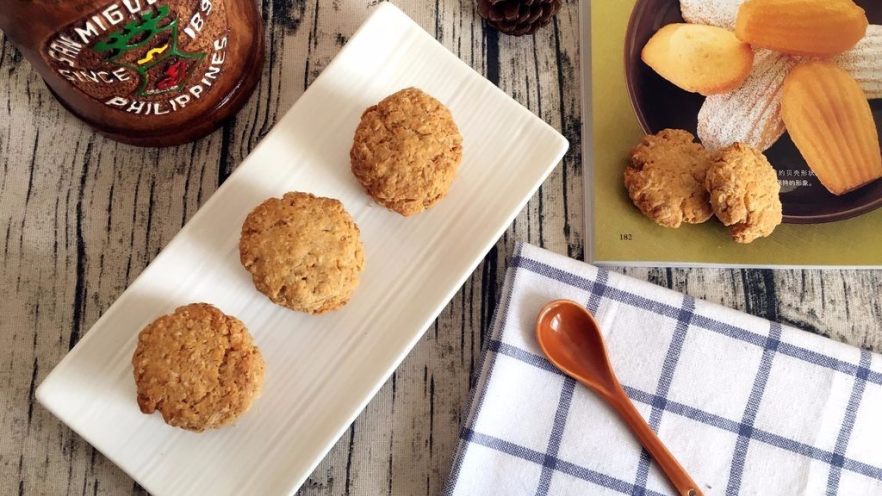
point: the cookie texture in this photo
(744, 192)
(406, 151)
(303, 252)
(665, 178)
(198, 367)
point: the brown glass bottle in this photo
(146, 72)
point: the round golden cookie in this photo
(744, 192)
(198, 367)
(303, 252)
(665, 178)
(406, 151)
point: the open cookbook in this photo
(783, 102)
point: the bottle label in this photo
(144, 57)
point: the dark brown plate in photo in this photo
(659, 105)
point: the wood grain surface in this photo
(82, 216)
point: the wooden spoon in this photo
(571, 339)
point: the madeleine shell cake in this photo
(751, 114)
(720, 13)
(813, 28)
(864, 62)
(304, 252)
(829, 119)
(699, 59)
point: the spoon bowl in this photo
(571, 339)
(582, 355)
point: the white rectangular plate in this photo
(321, 370)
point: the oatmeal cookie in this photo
(744, 192)
(198, 367)
(303, 252)
(665, 178)
(406, 151)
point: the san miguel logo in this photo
(149, 47)
(143, 57)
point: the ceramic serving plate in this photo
(659, 105)
(321, 370)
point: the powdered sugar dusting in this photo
(752, 113)
(864, 62)
(720, 13)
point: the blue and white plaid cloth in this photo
(748, 406)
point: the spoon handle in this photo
(675, 472)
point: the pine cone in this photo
(518, 17)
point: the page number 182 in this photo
(625, 237)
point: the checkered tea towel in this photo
(748, 406)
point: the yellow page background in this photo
(856, 241)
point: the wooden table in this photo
(83, 216)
